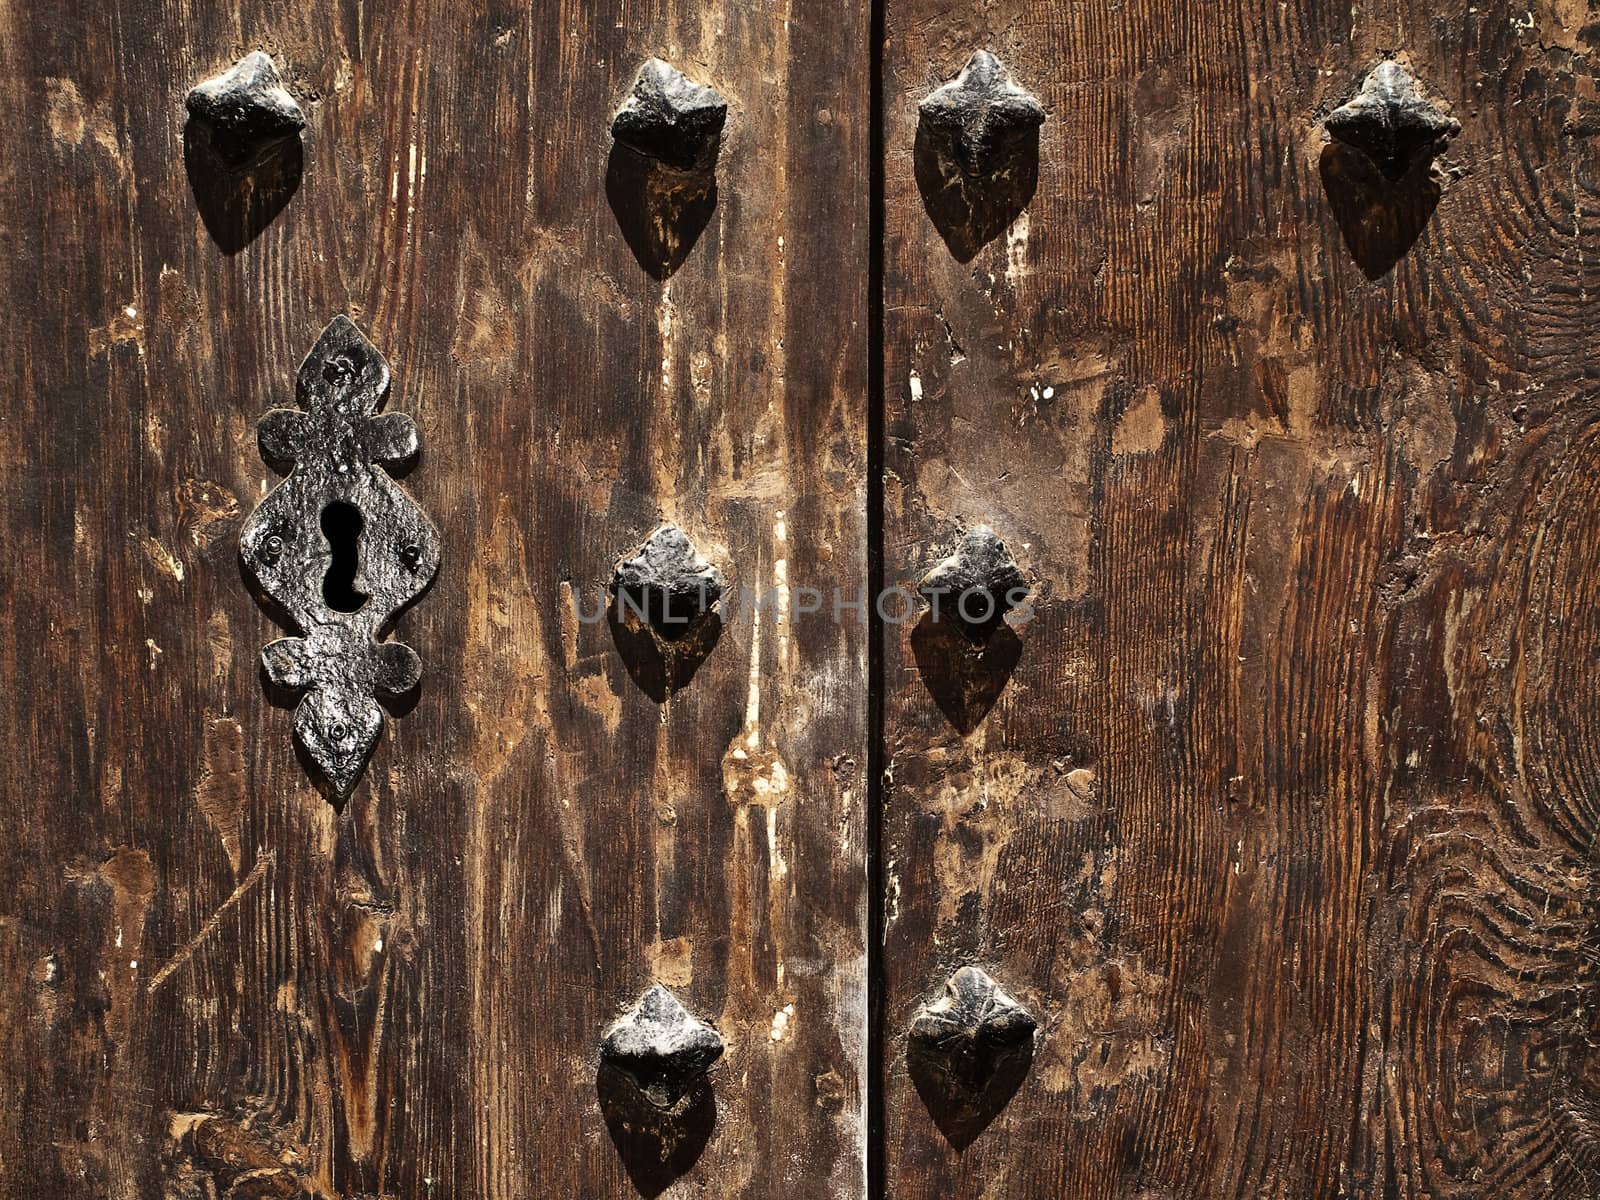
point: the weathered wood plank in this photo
(210, 972)
(1283, 822)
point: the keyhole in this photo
(341, 525)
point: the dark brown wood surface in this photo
(216, 984)
(1279, 813)
(1284, 822)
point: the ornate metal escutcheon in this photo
(341, 548)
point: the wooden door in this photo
(218, 982)
(1267, 815)
(1282, 820)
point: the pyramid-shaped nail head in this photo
(661, 1047)
(669, 582)
(972, 1029)
(1391, 121)
(982, 113)
(669, 117)
(977, 585)
(247, 109)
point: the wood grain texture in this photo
(1284, 823)
(215, 983)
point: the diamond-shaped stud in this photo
(1391, 122)
(667, 583)
(661, 1047)
(246, 109)
(669, 117)
(981, 114)
(976, 586)
(973, 1030)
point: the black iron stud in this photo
(667, 583)
(661, 1048)
(670, 118)
(1392, 122)
(976, 586)
(968, 1053)
(982, 115)
(246, 109)
(972, 1029)
(976, 158)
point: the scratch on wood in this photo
(257, 873)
